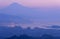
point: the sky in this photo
(50, 7)
(33, 3)
(40, 3)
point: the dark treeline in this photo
(18, 32)
(45, 36)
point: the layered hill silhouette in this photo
(45, 36)
(36, 32)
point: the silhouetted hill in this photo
(2, 37)
(9, 31)
(23, 37)
(46, 36)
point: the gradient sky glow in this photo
(4, 3)
(40, 3)
(33, 3)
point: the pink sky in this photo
(32, 3)
(40, 3)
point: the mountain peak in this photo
(16, 5)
